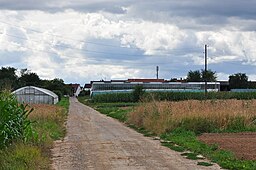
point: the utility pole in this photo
(205, 69)
(157, 70)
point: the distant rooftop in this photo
(146, 80)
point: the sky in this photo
(79, 41)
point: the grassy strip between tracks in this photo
(180, 138)
(34, 153)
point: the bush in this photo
(198, 125)
(58, 93)
(14, 123)
(84, 93)
(137, 93)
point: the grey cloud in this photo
(199, 8)
(112, 6)
(200, 14)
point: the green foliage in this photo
(180, 96)
(14, 122)
(225, 159)
(56, 85)
(84, 93)
(198, 125)
(64, 102)
(142, 130)
(238, 81)
(23, 157)
(191, 155)
(113, 97)
(35, 153)
(8, 78)
(137, 93)
(199, 76)
(28, 78)
(208, 75)
(172, 96)
(204, 164)
(194, 76)
(173, 146)
(115, 112)
(237, 124)
(58, 93)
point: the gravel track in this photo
(95, 141)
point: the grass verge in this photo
(189, 141)
(48, 125)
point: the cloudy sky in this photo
(80, 40)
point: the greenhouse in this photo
(35, 95)
(120, 87)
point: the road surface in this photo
(97, 142)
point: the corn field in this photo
(14, 123)
(173, 96)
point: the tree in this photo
(194, 76)
(200, 76)
(208, 75)
(28, 78)
(238, 81)
(58, 86)
(8, 78)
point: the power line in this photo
(104, 61)
(88, 42)
(67, 38)
(66, 46)
(87, 51)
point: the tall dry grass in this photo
(200, 116)
(48, 122)
(45, 111)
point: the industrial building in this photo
(35, 95)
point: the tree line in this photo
(236, 81)
(12, 79)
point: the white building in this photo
(76, 89)
(35, 95)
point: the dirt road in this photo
(94, 141)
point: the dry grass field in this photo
(160, 117)
(45, 111)
(204, 117)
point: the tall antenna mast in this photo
(157, 70)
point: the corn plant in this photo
(14, 123)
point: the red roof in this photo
(146, 80)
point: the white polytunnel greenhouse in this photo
(35, 95)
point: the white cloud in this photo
(182, 47)
(229, 45)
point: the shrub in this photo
(58, 93)
(199, 125)
(84, 93)
(137, 93)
